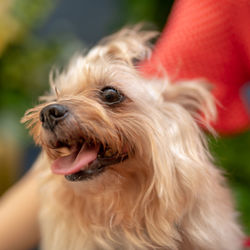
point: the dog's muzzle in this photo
(52, 114)
(85, 158)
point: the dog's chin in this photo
(83, 160)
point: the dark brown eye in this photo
(111, 96)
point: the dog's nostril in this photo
(57, 111)
(52, 114)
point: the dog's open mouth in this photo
(85, 161)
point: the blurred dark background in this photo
(38, 34)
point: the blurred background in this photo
(38, 34)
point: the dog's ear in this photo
(131, 45)
(194, 96)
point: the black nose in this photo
(52, 114)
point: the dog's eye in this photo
(111, 96)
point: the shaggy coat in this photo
(167, 194)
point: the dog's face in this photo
(91, 124)
(102, 112)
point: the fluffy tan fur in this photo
(168, 194)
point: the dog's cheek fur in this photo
(31, 120)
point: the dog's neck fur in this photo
(118, 202)
(121, 208)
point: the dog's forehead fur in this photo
(87, 73)
(110, 63)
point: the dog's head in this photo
(102, 112)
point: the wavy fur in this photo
(168, 194)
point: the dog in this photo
(125, 164)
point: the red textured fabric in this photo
(209, 39)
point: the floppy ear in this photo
(194, 96)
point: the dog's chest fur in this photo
(76, 216)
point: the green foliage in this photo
(27, 59)
(30, 13)
(154, 12)
(232, 153)
(24, 72)
(25, 62)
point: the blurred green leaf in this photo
(232, 153)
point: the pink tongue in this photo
(74, 162)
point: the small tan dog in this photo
(130, 165)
